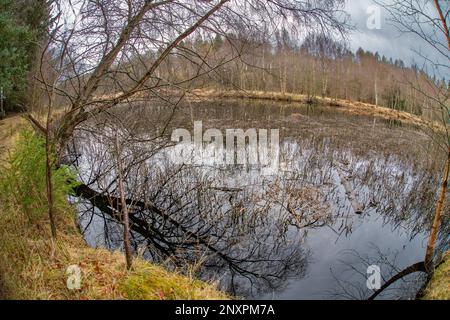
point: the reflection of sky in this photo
(369, 231)
(369, 235)
(388, 40)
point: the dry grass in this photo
(150, 282)
(9, 131)
(33, 265)
(351, 107)
(439, 286)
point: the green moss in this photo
(439, 286)
(150, 282)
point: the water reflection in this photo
(344, 183)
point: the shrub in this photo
(23, 182)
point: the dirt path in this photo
(9, 128)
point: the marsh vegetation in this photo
(293, 234)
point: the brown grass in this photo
(351, 107)
(9, 130)
(33, 265)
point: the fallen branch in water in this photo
(112, 206)
(417, 267)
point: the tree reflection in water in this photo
(350, 283)
(236, 226)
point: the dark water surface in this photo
(290, 235)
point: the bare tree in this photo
(110, 52)
(437, 217)
(106, 34)
(125, 217)
(426, 19)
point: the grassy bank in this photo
(439, 286)
(33, 265)
(350, 107)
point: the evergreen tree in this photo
(22, 24)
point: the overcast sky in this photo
(388, 40)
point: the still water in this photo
(349, 192)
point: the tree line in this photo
(317, 66)
(22, 26)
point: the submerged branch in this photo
(419, 266)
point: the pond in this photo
(347, 192)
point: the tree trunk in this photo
(126, 225)
(49, 184)
(376, 91)
(48, 166)
(443, 21)
(437, 216)
(419, 266)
